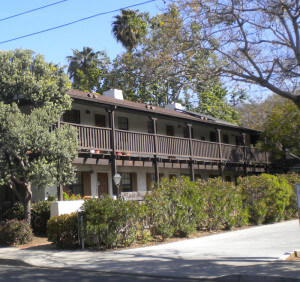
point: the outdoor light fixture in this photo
(117, 180)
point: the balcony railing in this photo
(139, 143)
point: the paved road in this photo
(9, 272)
(253, 251)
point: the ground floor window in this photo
(77, 187)
(126, 182)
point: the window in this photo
(225, 138)
(123, 123)
(213, 136)
(72, 116)
(126, 182)
(239, 140)
(170, 130)
(186, 132)
(150, 127)
(77, 187)
(228, 178)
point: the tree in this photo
(33, 151)
(129, 28)
(255, 41)
(279, 121)
(155, 71)
(282, 129)
(88, 69)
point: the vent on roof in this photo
(114, 93)
(174, 106)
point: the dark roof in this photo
(150, 110)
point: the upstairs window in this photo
(213, 136)
(72, 116)
(186, 132)
(170, 130)
(123, 123)
(225, 139)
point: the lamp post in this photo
(117, 180)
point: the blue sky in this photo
(55, 45)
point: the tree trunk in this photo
(24, 194)
(27, 203)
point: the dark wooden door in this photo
(100, 120)
(102, 183)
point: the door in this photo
(102, 183)
(99, 120)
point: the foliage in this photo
(24, 75)
(255, 41)
(173, 208)
(292, 179)
(88, 69)
(109, 222)
(14, 232)
(266, 197)
(130, 27)
(282, 128)
(12, 211)
(33, 97)
(69, 196)
(155, 71)
(220, 205)
(40, 215)
(62, 231)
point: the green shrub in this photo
(291, 210)
(40, 214)
(62, 231)
(14, 232)
(221, 205)
(12, 211)
(266, 197)
(110, 222)
(173, 208)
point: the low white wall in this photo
(64, 207)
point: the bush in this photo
(14, 232)
(291, 210)
(62, 231)
(110, 222)
(173, 208)
(12, 211)
(221, 205)
(40, 214)
(266, 197)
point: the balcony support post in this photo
(221, 170)
(245, 153)
(59, 186)
(191, 162)
(156, 169)
(111, 114)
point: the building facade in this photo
(144, 143)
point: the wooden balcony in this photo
(143, 144)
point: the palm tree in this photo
(129, 28)
(87, 68)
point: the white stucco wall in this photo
(64, 207)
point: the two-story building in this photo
(144, 143)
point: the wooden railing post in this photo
(156, 170)
(111, 114)
(191, 164)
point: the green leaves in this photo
(24, 75)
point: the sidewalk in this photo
(254, 251)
